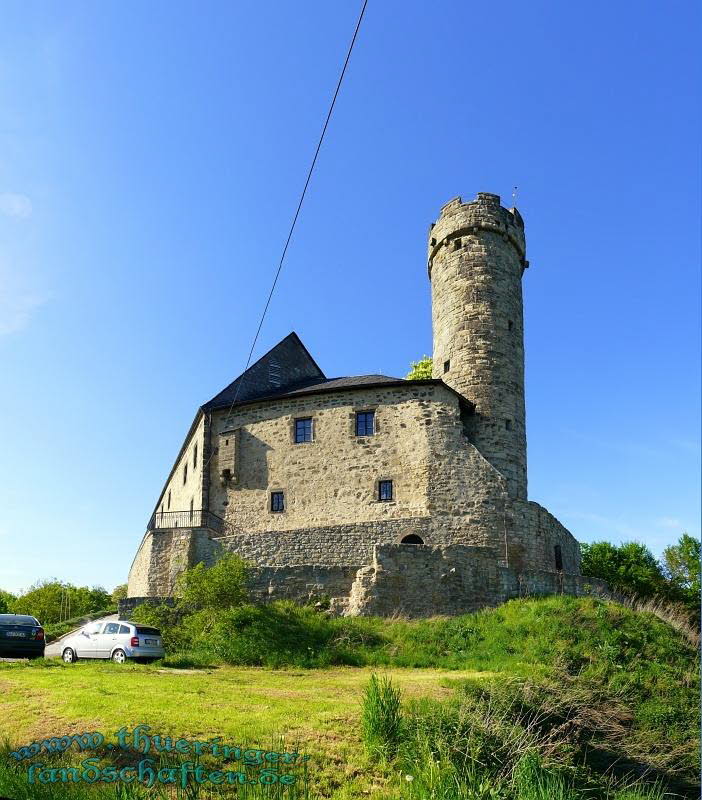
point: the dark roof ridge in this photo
(323, 387)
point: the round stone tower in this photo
(476, 262)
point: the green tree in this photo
(681, 563)
(630, 567)
(7, 601)
(222, 585)
(420, 370)
(119, 593)
(54, 600)
(681, 567)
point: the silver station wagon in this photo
(115, 640)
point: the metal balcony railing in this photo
(186, 519)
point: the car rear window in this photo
(17, 619)
(124, 629)
(148, 631)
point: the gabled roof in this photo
(285, 366)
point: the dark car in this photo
(21, 636)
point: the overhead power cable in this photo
(299, 206)
(294, 221)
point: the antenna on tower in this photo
(514, 195)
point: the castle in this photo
(378, 494)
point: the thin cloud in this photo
(15, 205)
(613, 525)
(16, 310)
(18, 302)
(669, 522)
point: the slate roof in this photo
(286, 365)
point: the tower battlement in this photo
(485, 213)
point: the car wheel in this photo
(119, 657)
(69, 656)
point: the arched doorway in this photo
(412, 538)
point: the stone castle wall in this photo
(424, 581)
(164, 554)
(412, 580)
(334, 478)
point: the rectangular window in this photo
(303, 430)
(195, 456)
(185, 473)
(365, 423)
(277, 501)
(447, 366)
(384, 490)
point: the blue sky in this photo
(151, 157)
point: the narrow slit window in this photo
(277, 502)
(510, 325)
(195, 456)
(456, 244)
(558, 556)
(185, 473)
(169, 500)
(508, 424)
(385, 490)
(447, 366)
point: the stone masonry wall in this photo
(333, 479)
(414, 580)
(307, 583)
(181, 489)
(330, 484)
(476, 261)
(333, 545)
(164, 554)
(536, 533)
(140, 580)
(422, 581)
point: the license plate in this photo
(18, 634)
(150, 641)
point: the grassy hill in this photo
(540, 698)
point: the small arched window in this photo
(412, 538)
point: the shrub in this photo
(420, 370)
(220, 586)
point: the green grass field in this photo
(483, 692)
(316, 710)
